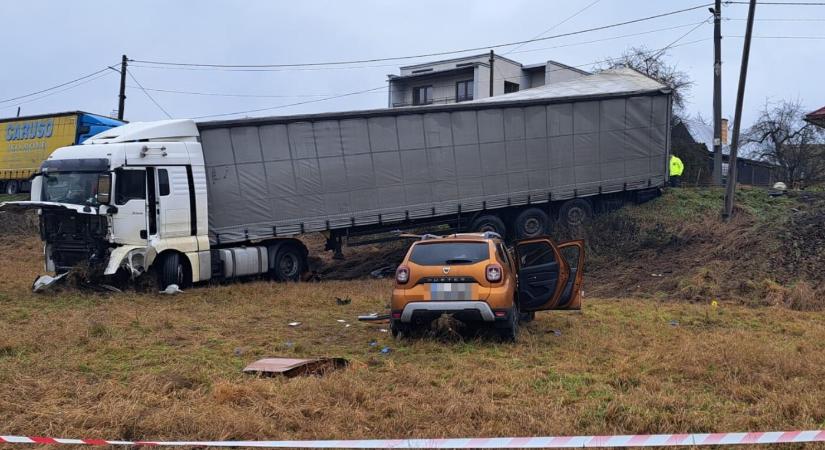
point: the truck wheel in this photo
(172, 271)
(575, 212)
(531, 222)
(289, 263)
(489, 222)
(12, 187)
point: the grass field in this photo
(143, 366)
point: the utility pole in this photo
(492, 72)
(18, 111)
(122, 98)
(730, 190)
(717, 93)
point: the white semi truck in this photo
(191, 202)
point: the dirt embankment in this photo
(675, 247)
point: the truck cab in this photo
(123, 199)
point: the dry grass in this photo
(157, 367)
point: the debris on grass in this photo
(294, 324)
(342, 301)
(172, 289)
(373, 317)
(293, 367)
(386, 350)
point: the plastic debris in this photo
(342, 301)
(172, 289)
(373, 343)
(373, 317)
(341, 321)
(383, 330)
(294, 324)
(674, 323)
(386, 350)
(556, 332)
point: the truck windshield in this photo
(449, 253)
(77, 188)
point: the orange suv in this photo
(476, 278)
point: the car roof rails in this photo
(491, 235)
(422, 237)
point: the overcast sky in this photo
(50, 42)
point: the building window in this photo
(423, 95)
(510, 87)
(464, 90)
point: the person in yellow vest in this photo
(676, 169)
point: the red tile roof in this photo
(817, 117)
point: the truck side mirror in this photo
(104, 188)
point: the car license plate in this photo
(450, 291)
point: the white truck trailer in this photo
(191, 202)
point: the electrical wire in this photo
(55, 87)
(129, 72)
(290, 104)
(777, 3)
(426, 55)
(31, 100)
(218, 94)
(555, 26)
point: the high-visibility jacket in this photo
(676, 166)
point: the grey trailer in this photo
(517, 161)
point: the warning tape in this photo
(633, 440)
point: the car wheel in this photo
(509, 332)
(489, 222)
(575, 212)
(399, 330)
(531, 222)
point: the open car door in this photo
(546, 277)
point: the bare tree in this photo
(781, 136)
(653, 64)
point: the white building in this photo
(468, 78)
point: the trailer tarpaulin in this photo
(600, 133)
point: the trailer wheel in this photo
(575, 212)
(289, 263)
(531, 222)
(489, 222)
(12, 187)
(172, 271)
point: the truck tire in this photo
(530, 223)
(575, 212)
(12, 187)
(489, 222)
(289, 263)
(172, 271)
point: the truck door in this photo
(545, 279)
(172, 200)
(129, 223)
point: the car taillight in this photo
(402, 274)
(493, 272)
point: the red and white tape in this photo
(632, 440)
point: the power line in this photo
(129, 72)
(813, 38)
(55, 87)
(219, 94)
(778, 3)
(396, 58)
(671, 45)
(291, 104)
(555, 26)
(56, 92)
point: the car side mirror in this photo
(104, 188)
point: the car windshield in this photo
(449, 253)
(79, 188)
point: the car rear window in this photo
(448, 253)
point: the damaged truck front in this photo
(97, 215)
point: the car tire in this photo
(530, 223)
(489, 222)
(12, 187)
(398, 329)
(289, 263)
(172, 271)
(575, 212)
(509, 332)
